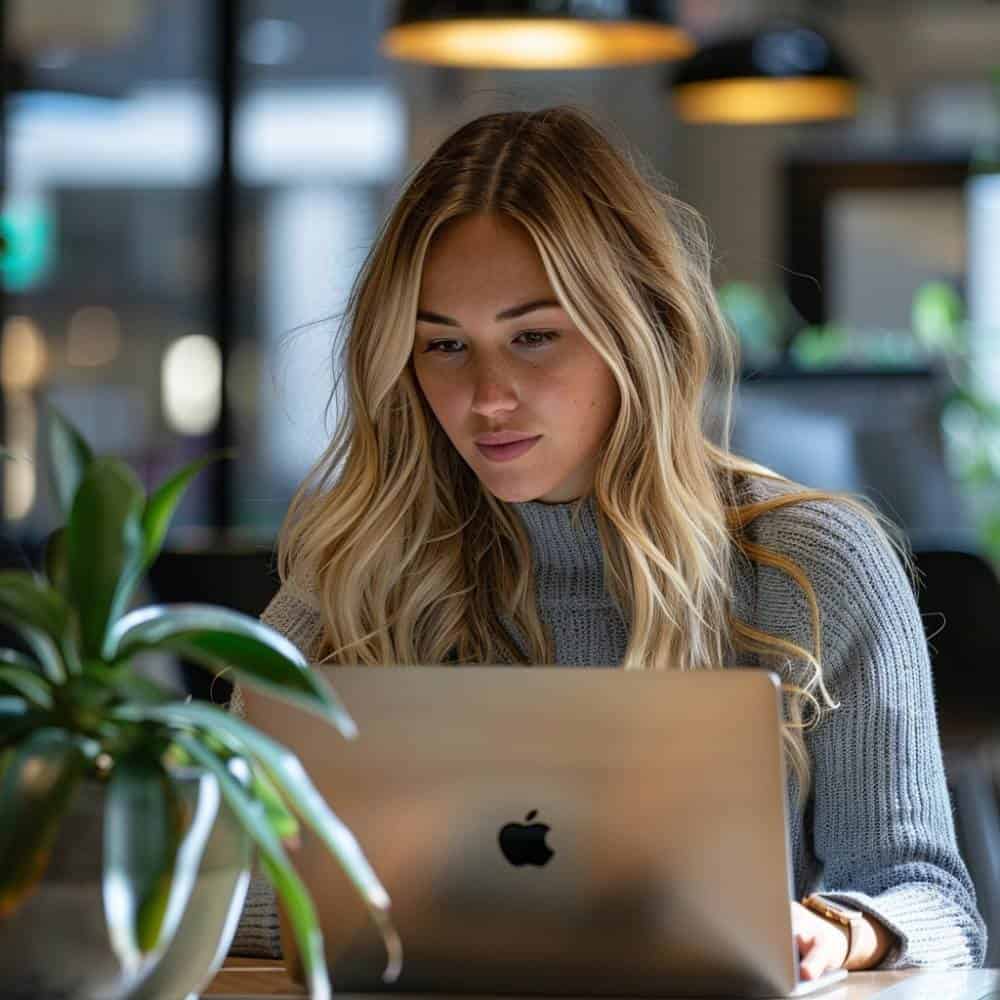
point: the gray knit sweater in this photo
(878, 830)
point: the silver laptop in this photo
(556, 830)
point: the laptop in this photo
(555, 831)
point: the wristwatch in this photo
(853, 920)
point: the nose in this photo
(494, 392)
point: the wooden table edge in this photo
(263, 977)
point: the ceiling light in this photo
(784, 72)
(536, 34)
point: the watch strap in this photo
(841, 914)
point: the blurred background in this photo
(189, 188)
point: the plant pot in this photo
(56, 944)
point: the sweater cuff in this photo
(929, 930)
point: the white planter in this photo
(56, 945)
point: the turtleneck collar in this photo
(569, 564)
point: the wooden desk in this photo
(253, 975)
(240, 977)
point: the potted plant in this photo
(128, 817)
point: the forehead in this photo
(482, 255)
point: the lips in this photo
(507, 452)
(503, 437)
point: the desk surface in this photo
(240, 976)
(246, 977)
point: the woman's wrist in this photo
(861, 941)
(876, 940)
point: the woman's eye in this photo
(531, 338)
(434, 345)
(538, 337)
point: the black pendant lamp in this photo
(536, 34)
(784, 72)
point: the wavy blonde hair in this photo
(414, 561)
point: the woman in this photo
(523, 474)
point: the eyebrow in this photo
(512, 313)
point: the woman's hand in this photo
(821, 943)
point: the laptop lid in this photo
(554, 830)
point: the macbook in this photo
(556, 831)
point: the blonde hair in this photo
(414, 561)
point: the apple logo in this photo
(524, 843)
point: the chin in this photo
(514, 492)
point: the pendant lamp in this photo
(784, 72)
(536, 34)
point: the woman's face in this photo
(496, 355)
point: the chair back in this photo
(959, 599)
(244, 579)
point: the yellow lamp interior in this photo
(757, 101)
(538, 43)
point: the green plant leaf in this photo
(163, 502)
(190, 853)
(219, 638)
(15, 658)
(17, 717)
(143, 823)
(132, 686)
(24, 681)
(288, 775)
(282, 821)
(45, 650)
(294, 894)
(27, 597)
(37, 787)
(57, 561)
(69, 458)
(104, 544)
(88, 695)
(14, 710)
(40, 615)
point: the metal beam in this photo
(224, 221)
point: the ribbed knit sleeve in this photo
(293, 612)
(881, 829)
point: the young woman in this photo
(524, 474)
